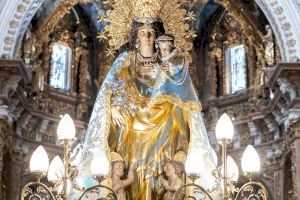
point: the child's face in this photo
(118, 168)
(165, 47)
(169, 169)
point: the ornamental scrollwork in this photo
(192, 191)
(99, 192)
(36, 191)
(252, 191)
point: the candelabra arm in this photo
(99, 192)
(192, 190)
(100, 179)
(66, 169)
(225, 176)
(36, 190)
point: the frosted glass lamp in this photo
(194, 165)
(224, 128)
(56, 170)
(100, 164)
(66, 128)
(39, 161)
(250, 160)
(232, 169)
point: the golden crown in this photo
(145, 11)
(121, 13)
(116, 157)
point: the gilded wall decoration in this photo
(235, 30)
(48, 26)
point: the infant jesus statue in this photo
(174, 66)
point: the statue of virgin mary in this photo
(147, 108)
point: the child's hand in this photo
(163, 181)
(133, 166)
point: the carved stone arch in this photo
(227, 29)
(282, 16)
(17, 15)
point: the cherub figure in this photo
(165, 44)
(119, 183)
(174, 171)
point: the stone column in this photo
(296, 161)
(278, 183)
(1, 163)
(15, 174)
(4, 142)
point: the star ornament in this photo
(190, 16)
(102, 36)
(191, 34)
(110, 52)
(102, 19)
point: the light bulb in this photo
(232, 169)
(39, 161)
(224, 128)
(194, 165)
(66, 128)
(56, 170)
(100, 163)
(250, 160)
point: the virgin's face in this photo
(146, 35)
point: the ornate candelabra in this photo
(228, 172)
(60, 173)
(54, 180)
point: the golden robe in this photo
(162, 114)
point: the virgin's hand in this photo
(117, 117)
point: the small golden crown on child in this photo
(180, 157)
(115, 157)
(165, 38)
